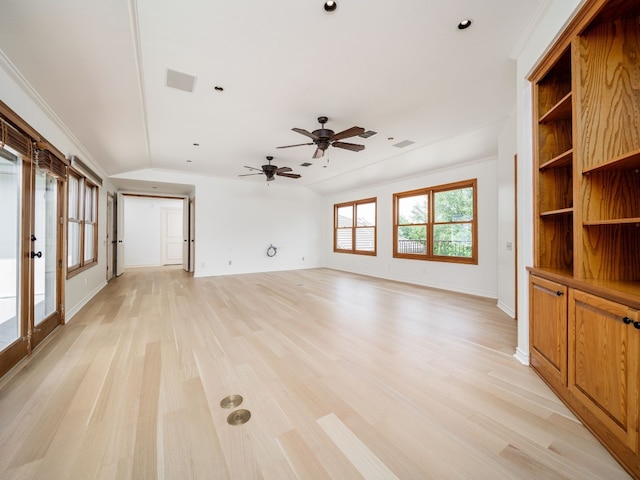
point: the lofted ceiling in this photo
(402, 69)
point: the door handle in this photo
(36, 254)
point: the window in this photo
(82, 231)
(355, 227)
(437, 223)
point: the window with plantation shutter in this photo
(82, 223)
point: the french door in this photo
(30, 256)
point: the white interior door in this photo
(119, 235)
(110, 240)
(173, 244)
(185, 235)
(192, 234)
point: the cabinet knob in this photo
(637, 325)
(559, 293)
(626, 320)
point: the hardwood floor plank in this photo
(145, 454)
(345, 376)
(367, 463)
(45, 423)
(301, 458)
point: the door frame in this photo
(110, 237)
(30, 335)
(37, 333)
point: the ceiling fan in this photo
(323, 138)
(271, 170)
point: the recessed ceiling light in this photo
(330, 6)
(188, 161)
(466, 23)
(218, 88)
(196, 144)
(389, 138)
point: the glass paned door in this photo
(44, 256)
(45, 246)
(10, 191)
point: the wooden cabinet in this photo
(603, 364)
(585, 281)
(548, 329)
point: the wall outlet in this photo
(303, 259)
(229, 262)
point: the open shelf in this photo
(562, 160)
(560, 111)
(629, 161)
(559, 211)
(617, 221)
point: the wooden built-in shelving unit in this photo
(585, 282)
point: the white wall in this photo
(507, 148)
(481, 279)
(237, 220)
(143, 235)
(268, 218)
(540, 40)
(21, 98)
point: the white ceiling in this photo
(400, 68)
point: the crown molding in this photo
(12, 71)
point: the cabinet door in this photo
(603, 363)
(548, 329)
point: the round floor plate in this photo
(239, 417)
(231, 401)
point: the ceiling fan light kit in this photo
(270, 171)
(324, 138)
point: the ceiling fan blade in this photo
(296, 145)
(349, 132)
(319, 153)
(282, 169)
(289, 175)
(249, 174)
(252, 168)
(354, 147)
(305, 132)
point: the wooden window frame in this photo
(354, 227)
(430, 223)
(82, 218)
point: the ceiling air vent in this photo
(404, 143)
(181, 81)
(367, 134)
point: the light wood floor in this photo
(345, 377)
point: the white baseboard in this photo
(506, 309)
(522, 357)
(69, 314)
